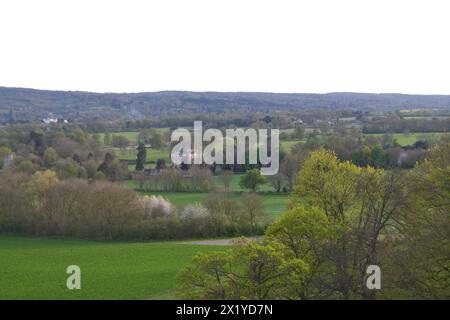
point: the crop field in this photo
(35, 268)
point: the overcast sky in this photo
(209, 45)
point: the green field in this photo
(35, 268)
(152, 154)
(286, 146)
(409, 139)
(132, 135)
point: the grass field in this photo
(132, 135)
(408, 139)
(152, 154)
(35, 268)
(286, 146)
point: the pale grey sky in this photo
(231, 45)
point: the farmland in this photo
(35, 268)
(410, 138)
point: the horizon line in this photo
(216, 91)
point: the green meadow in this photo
(35, 268)
(405, 139)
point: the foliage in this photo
(250, 270)
(141, 157)
(252, 179)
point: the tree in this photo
(250, 270)
(253, 207)
(37, 138)
(290, 166)
(160, 164)
(113, 206)
(251, 180)
(141, 157)
(313, 141)
(67, 168)
(157, 140)
(107, 139)
(226, 176)
(425, 270)
(277, 181)
(120, 142)
(223, 210)
(361, 202)
(50, 157)
(4, 153)
(112, 168)
(144, 136)
(299, 132)
(306, 233)
(202, 179)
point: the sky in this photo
(232, 45)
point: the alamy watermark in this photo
(259, 150)
(74, 280)
(374, 279)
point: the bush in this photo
(156, 206)
(196, 221)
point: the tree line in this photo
(341, 219)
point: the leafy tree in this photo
(67, 168)
(250, 270)
(157, 140)
(120, 142)
(141, 157)
(299, 132)
(362, 203)
(112, 168)
(306, 233)
(421, 261)
(38, 140)
(252, 179)
(50, 157)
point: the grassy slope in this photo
(35, 268)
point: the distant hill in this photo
(31, 104)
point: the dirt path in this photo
(217, 242)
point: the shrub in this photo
(156, 206)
